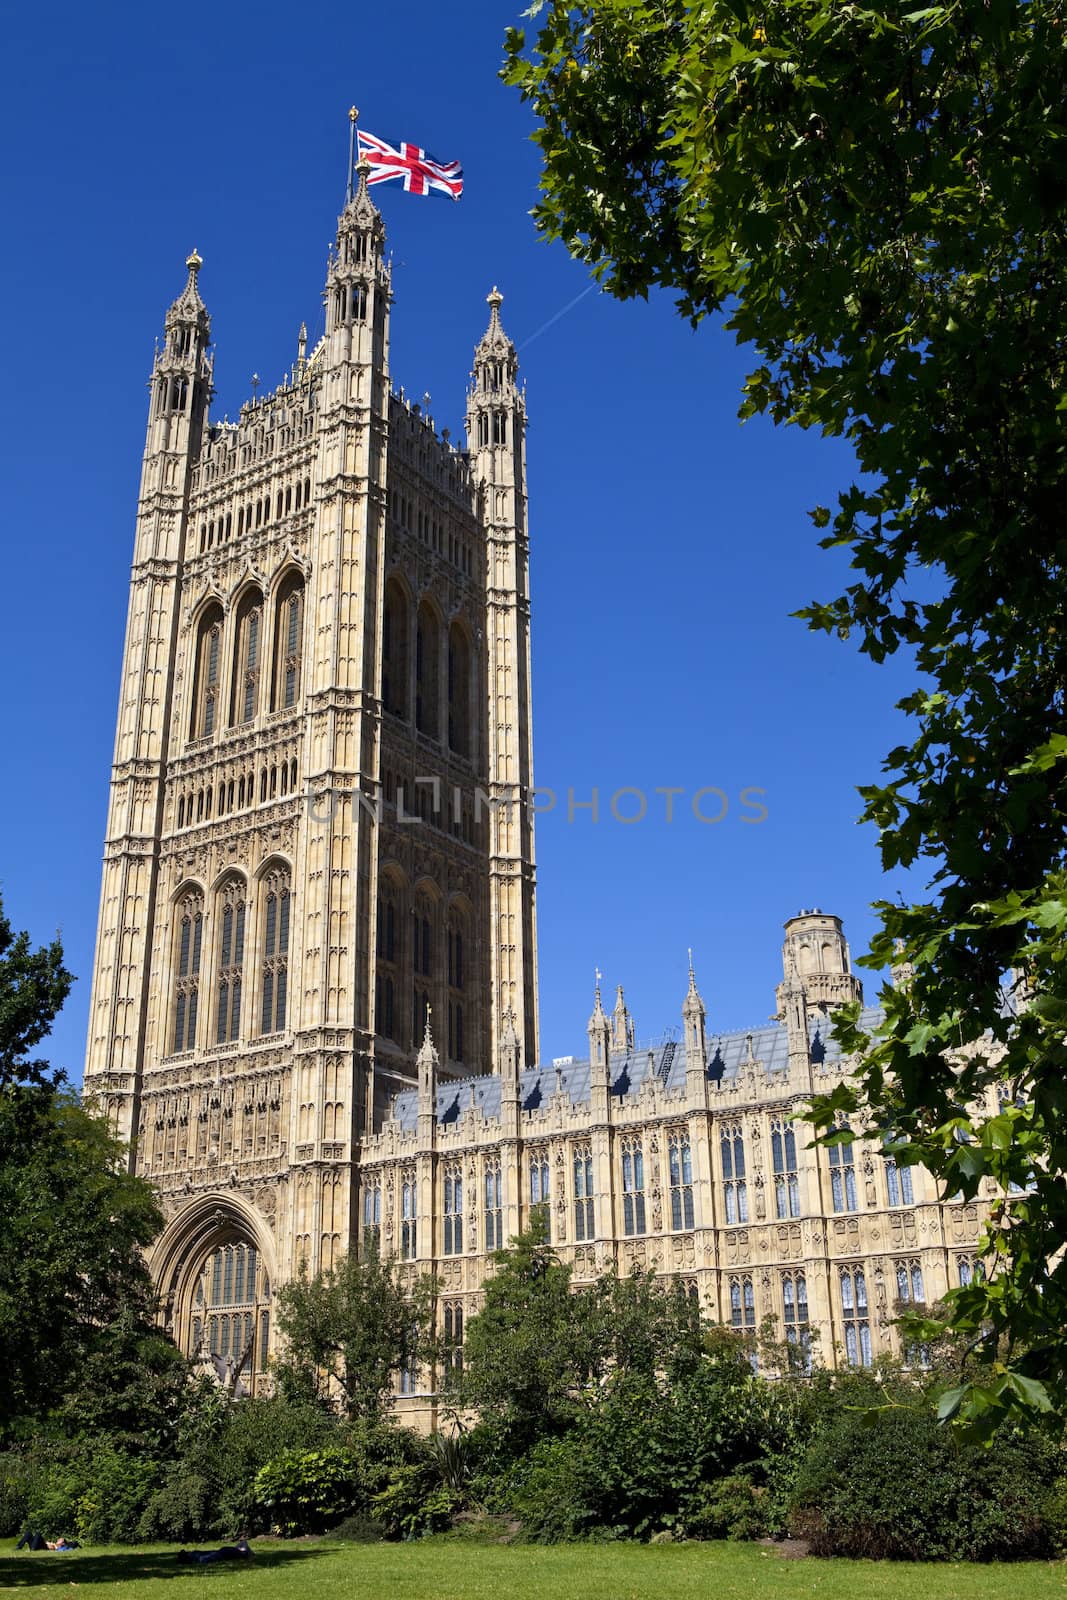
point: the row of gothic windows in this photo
(258, 679)
(255, 514)
(231, 1309)
(410, 951)
(680, 1187)
(197, 805)
(227, 980)
(399, 681)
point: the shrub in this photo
(732, 1508)
(304, 1491)
(115, 1488)
(906, 1489)
(181, 1508)
(415, 1502)
(15, 1473)
(1054, 1516)
(359, 1529)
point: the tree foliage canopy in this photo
(874, 198)
(539, 1347)
(350, 1330)
(75, 1292)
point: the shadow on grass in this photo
(38, 1567)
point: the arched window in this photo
(206, 681)
(633, 1187)
(230, 1314)
(288, 644)
(459, 691)
(231, 919)
(189, 939)
(244, 701)
(275, 968)
(427, 688)
(395, 656)
(784, 1161)
(456, 975)
(735, 1189)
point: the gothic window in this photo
(275, 969)
(359, 302)
(742, 1303)
(483, 429)
(372, 1216)
(500, 427)
(244, 701)
(453, 1187)
(190, 932)
(969, 1271)
(494, 1213)
(735, 1187)
(843, 1175)
(910, 1288)
(453, 1341)
(680, 1169)
(795, 1311)
(898, 1184)
(459, 691)
(583, 1193)
(408, 1214)
(456, 984)
(427, 654)
(288, 643)
(230, 916)
(541, 1183)
(784, 1161)
(208, 668)
(231, 1315)
(633, 1187)
(395, 664)
(854, 1315)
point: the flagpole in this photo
(353, 116)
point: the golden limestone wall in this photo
(830, 1247)
(300, 859)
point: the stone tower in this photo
(318, 830)
(496, 432)
(817, 965)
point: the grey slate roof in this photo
(726, 1053)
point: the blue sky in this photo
(669, 543)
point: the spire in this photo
(510, 1054)
(622, 1026)
(599, 1015)
(189, 307)
(696, 1054)
(599, 1031)
(427, 1061)
(693, 1005)
(495, 349)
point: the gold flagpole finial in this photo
(353, 114)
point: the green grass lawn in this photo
(449, 1569)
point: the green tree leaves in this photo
(874, 199)
(350, 1330)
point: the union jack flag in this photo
(420, 172)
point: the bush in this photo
(14, 1494)
(415, 1502)
(732, 1508)
(906, 1489)
(304, 1491)
(1054, 1515)
(181, 1508)
(115, 1488)
(359, 1529)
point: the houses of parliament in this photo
(314, 1002)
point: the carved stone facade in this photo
(319, 855)
(318, 828)
(683, 1159)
